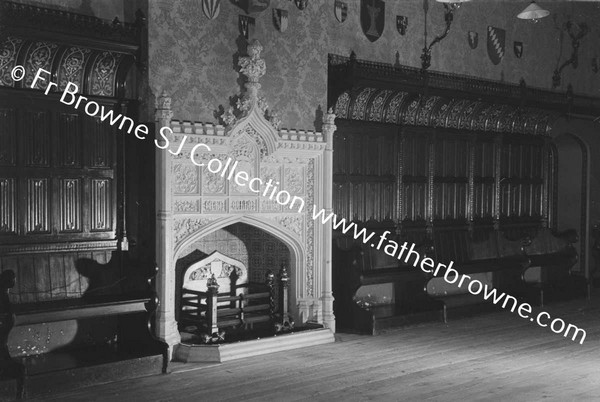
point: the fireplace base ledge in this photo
(188, 353)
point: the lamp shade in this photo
(533, 12)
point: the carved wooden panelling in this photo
(70, 205)
(9, 50)
(7, 206)
(52, 276)
(436, 176)
(484, 183)
(38, 220)
(100, 138)
(104, 71)
(8, 137)
(72, 66)
(451, 178)
(414, 160)
(101, 211)
(37, 138)
(39, 55)
(521, 184)
(69, 148)
(365, 175)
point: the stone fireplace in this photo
(198, 209)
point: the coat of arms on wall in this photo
(211, 8)
(245, 25)
(473, 38)
(372, 18)
(280, 19)
(518, 49)
(401, 24)
(340, 9)
(495, 43)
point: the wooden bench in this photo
(508, 260)
(242, 307)
(485, 251)
(555, 255)
(135, 312)
(361, 265)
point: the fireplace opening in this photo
(232, 284)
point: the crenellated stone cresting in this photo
(199, 128)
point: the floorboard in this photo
(496, 356)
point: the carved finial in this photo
(253, 66)
(212, 283)
(164, 101)
(329, 117)
(283, 274)
(329, 128)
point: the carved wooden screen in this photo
(57, 173)
(451, 161)
(522, 179)
(414, 173)
(484, 182)
(365, 175)
(440, 177)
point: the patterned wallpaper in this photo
(257, 249)
(194, 59)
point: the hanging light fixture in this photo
(533, 12)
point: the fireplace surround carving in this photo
(192, 202)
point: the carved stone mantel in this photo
(193, 202)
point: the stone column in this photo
(166, 324)
(327, 295)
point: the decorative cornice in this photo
(437, 111)
(348, 73)
(16, 16)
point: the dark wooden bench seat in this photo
(365, 266)
(134, 352)
(472, 252)
(555, 256)
(70, 309)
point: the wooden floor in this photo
(494, 357)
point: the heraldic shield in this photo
(495, 44)
(401, 24)
(473, 38)
(340, 9)
(518, 49)
(372, 18)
